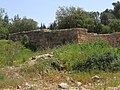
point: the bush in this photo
(104, 62)
(105, 29)
(93, 55)
(13, 53)
(25, 40)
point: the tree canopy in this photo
(107, 21)
(16, 24)
(75, 17)
(24, 24)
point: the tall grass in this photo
(95, 55)
(82, 61)
(12, 53)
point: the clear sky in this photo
(44, 10)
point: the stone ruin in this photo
(49, 39)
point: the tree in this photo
(43, 27)
(53, 26)
(3, 30)
(70, 17)
(93, 25)
(115, 25)
(77, 18)
(105, 29)
(2, 13)
(6, 18)
(4, 21)
(116, 10)
(107, 16)
(94, 15)
(24, 24)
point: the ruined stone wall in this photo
(113, 39)
(51, 39)
(47, 39)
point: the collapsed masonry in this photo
(47, 38)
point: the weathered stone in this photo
(63, 85)
(46, 38)
(78, 84)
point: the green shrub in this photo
(71, 53)
(25, 40)
(12, 53)
(104, 62)
(93, 55)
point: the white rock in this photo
(63, 85)
(119, 87)
(112, 88)
(28, 86)
(79, 84)
(96, 78)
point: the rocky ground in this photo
(56, 81)
(39, 84)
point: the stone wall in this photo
(47, 38)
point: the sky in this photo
(44, 10)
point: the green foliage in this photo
(66, 17)
(24, 24)
(93, 25)
(95, 55)
(15, 25)
(13, 53)
(70, 17)
(105, 29)
(116, 10)
(25, 40)
(42, 26)
(68, 54)
(103, 62)
(53, 26)
(115, 25)
(3, 24)
(41, 67)
(106, 16)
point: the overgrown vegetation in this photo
(79, 61)
(91, 56)
(12, 53)
(95, 55)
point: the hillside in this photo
(73, 64)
